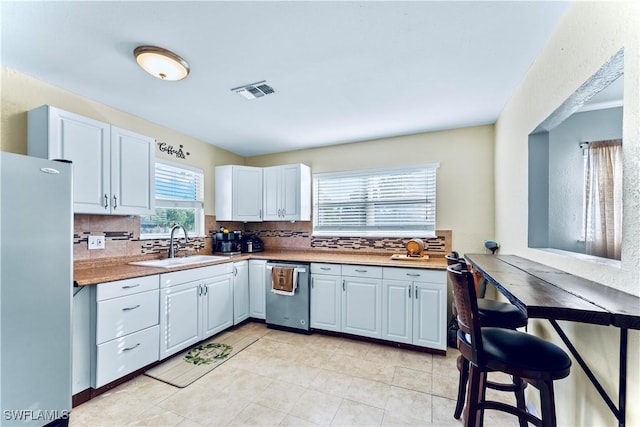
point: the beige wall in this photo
(21, 93)
(464, 180)
(588, 36)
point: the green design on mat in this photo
(206, 354)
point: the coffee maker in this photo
(227, 242)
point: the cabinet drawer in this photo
(117, 317)
(121, 288)
(333, 269)
(415, 275)
(193, 274)
(119, 357)
(362, 271)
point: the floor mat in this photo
(186, 367)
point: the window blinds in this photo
(376, 202)
(179, 184)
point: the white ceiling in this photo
(342, 71)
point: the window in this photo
(179, 199)
(390, 202)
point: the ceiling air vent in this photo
(254, 90)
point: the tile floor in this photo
(289, 379)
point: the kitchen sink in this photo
(179, 262)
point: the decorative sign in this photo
(179, 153)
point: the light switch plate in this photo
(96, 242)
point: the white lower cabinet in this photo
(405, 305)
(414, 307)
(326, 302)
(362, 300)
(194, 304)
(81, 367)
(240, 291)
(125, 328)
(257, 284)
(346, 298)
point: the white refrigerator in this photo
(36, 269)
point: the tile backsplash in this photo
(122, 235)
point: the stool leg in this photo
(482, 397)
(547, 403)
(473, 397)
(520, 402)
(463, 367)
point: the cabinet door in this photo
(247, 193)
(217, 305)
(397, 309)
(326, 297)
(272, 207)
(362, 306)
(240, 291)
(257, 283)
(179, 317)
(290, 192)
(132, 173)
(429, 315)
(81, 365)
(59, 134)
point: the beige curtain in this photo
(603, 213)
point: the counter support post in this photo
(618, 413)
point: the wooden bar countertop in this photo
(94, 272)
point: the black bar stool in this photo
(495, 314)
(525, 357)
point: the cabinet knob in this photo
(130, 286)
(106, 201)
(115, 201)
(416, 292)
(131, 308)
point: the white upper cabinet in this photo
(287, 193)
(132, 173)
(238, 193)
(112, 168)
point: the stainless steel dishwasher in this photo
(289, 312)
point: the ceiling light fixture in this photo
(161, 63)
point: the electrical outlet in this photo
(96, 242)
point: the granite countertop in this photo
(94, 272)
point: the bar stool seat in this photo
(492, 314)
(531, 357)
(500, 314)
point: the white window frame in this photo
(198, 205)
(428, 229)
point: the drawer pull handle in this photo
(131, 286)
(413, 274)
(131, 308)
(131, 348)
(360, 270)
(325, 268)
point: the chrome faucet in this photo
(172, 248)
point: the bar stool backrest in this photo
(464, 293)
